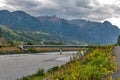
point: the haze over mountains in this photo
(20, 26)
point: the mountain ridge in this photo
(73, 31)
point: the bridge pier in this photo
(61, 50)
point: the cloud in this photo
(86, 9)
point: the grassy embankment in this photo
(17, 50)
(37, 50)
(96, 64)
(10, 50)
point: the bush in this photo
(25, 78)
(53, 69)
(32, 50)
(40, 72)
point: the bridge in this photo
(25, 47)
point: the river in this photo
(19, 65)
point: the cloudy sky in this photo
(95, 10)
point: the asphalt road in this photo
(19, 65)
(116, 75)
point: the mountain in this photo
(82, 30)
(62, 28)
(101, 32)
(21, 26)
(19, 20)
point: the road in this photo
(116, 75)
(19, 65)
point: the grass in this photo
(9, 50)
(38, 76)
(37, 50)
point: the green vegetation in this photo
(24, 37)
(96, 64)
(38, 50)
(55, 68)
(7, 47)
(10, 50)
(38, 76)
(118, 41)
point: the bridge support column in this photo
(60, 50)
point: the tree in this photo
(118, 41)
(2, 41)
(30, 43)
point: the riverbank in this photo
(10, 50)
(17, 50)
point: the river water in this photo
(19, 65)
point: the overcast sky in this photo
(95, 10)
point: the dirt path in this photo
(116, 75)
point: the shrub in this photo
(40, 72)
(32, 50)
(55, 68)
